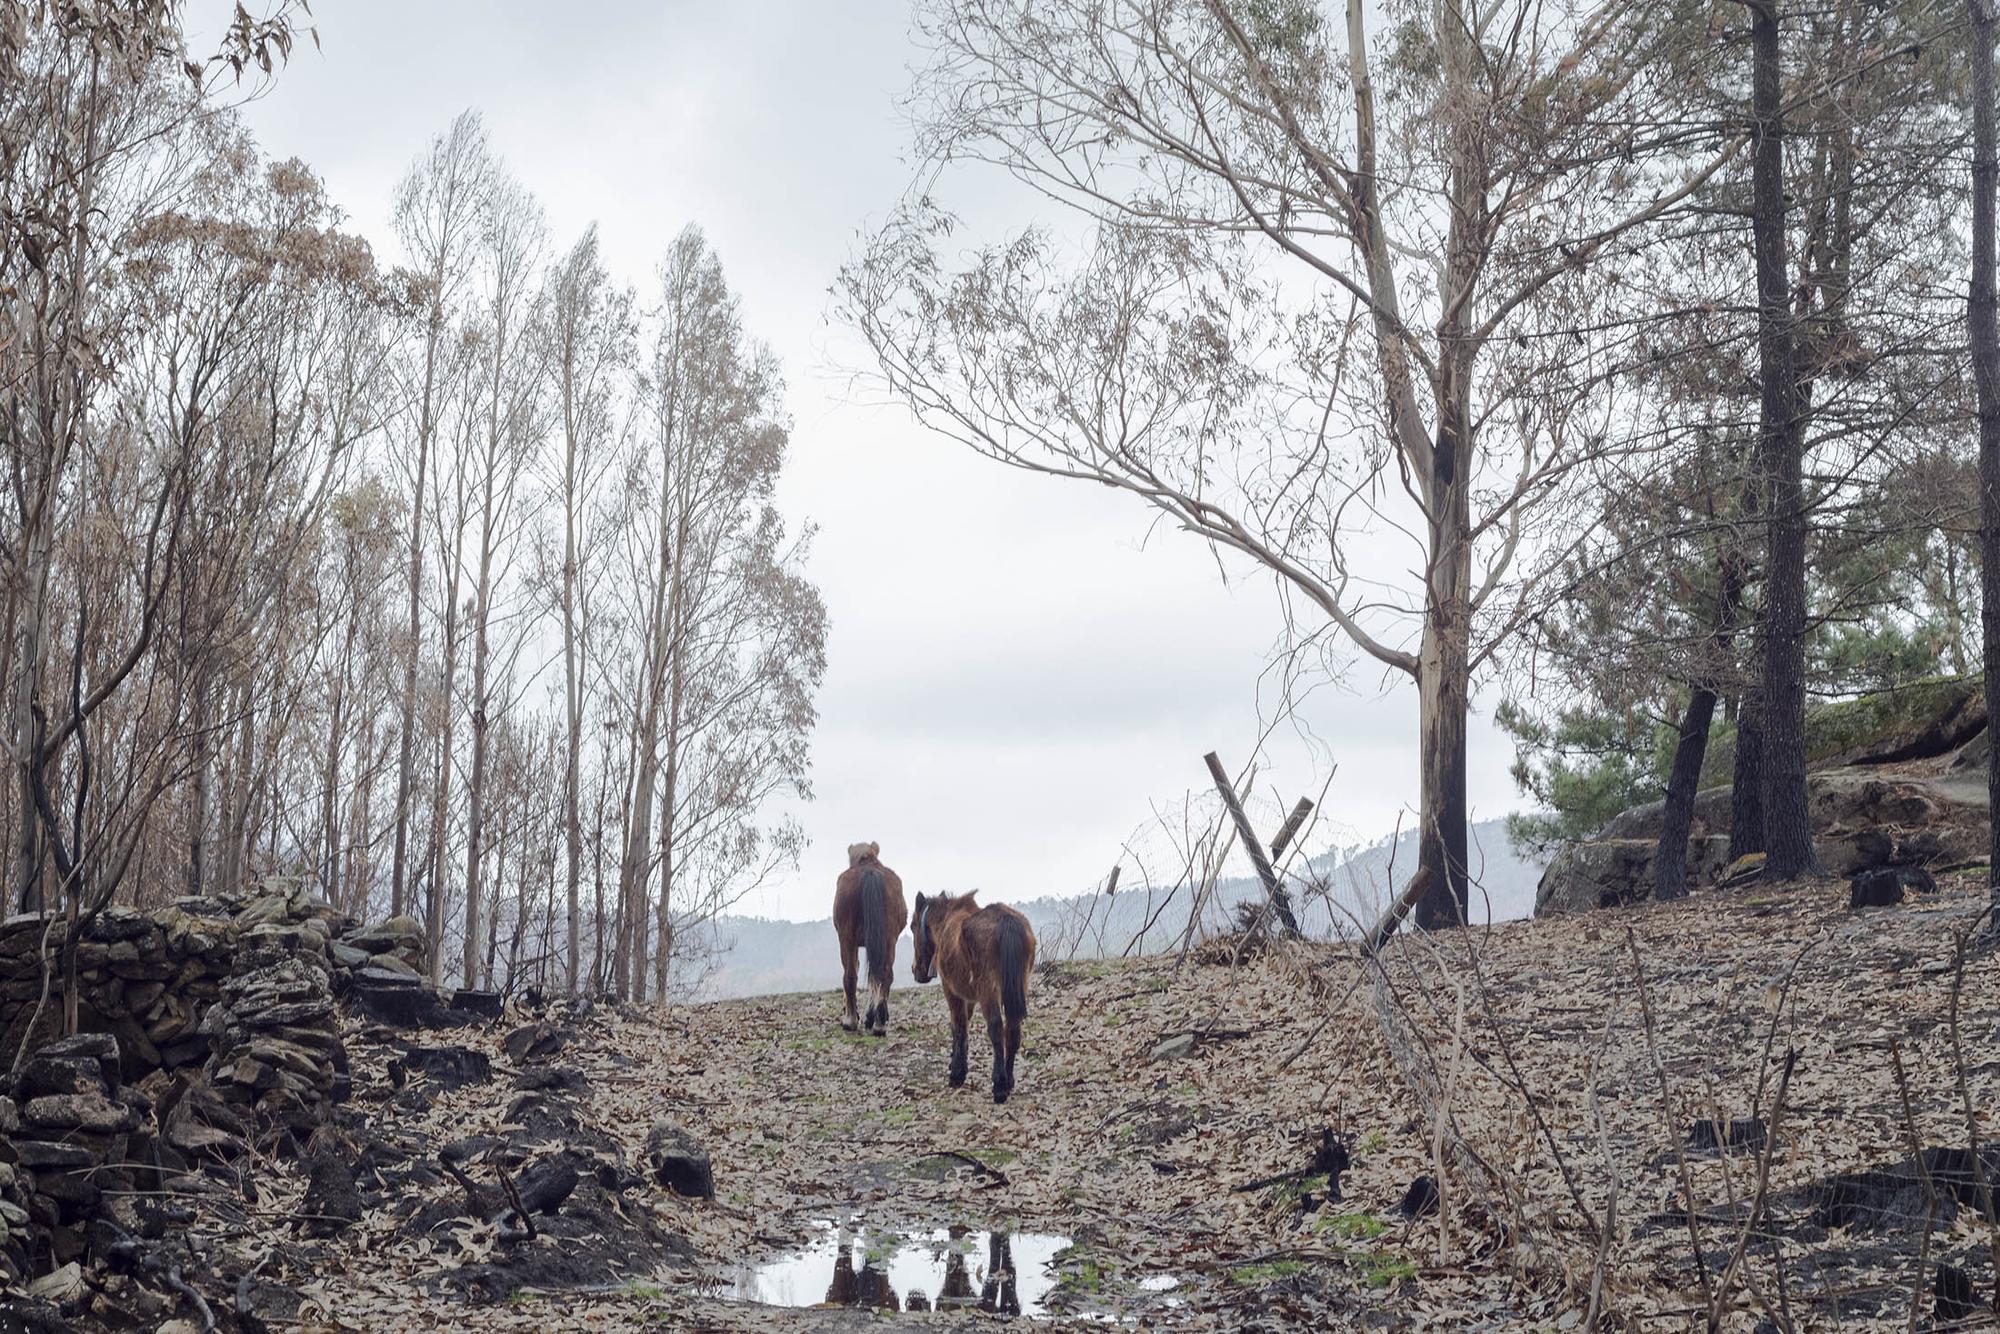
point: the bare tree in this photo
(1314, 318)
(511, 384)
(591, 334)
(438, 213)
(730, 639)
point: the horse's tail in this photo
(875, 923)
(1013, 969)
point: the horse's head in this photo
(858, 852)
(923, 966)
(930, 911)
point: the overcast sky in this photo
(1017, 666)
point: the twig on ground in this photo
(181, 1285)
(993, 1174)
(526, 1232)
(1728, 1279)
(1923, 1175)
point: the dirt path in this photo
(1559, 1105)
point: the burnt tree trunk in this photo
(1788, 850)
(1984, 325)
(1670, 862)
(1684, 780)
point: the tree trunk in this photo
(573, 708)
(199, 778)
(1684, 780)
(25, 728)
(475, 817)
(414, 625)
(441, 803)
(1670, 861)
(1443, 687)
(1985, 335)
(1781, 446)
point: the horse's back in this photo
(847, 889)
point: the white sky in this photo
(1016, 665)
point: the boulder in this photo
(485, 1004)
(1609, 872)
(1862, 817)
(448, 1067)
(101, 1047)
(402, 936)
(534, 1042)
(676, 1160)
(1881, 886)
(45, 1075)
(90, 1112)
(332, 1202)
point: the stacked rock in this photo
(396, 944)
(146, 977)
(277, 1051)
(72, 1145)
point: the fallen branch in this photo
(180, 1285)
(526, 1232)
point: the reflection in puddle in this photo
(948, 1269)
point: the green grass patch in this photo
(1380, 1269)
(1257, 1276)
(1374, 1142)
(1087, 1277)
(809, 1044)
(1291, 1192)
(644, 1292)
(1354, 1227)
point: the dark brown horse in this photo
(868, 913)
(984, 956)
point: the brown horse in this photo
(984, 956)
(868, 913)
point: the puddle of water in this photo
(944, 1269)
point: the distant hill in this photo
(754, 956)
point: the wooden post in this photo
(1392, 917)
(1280, 901)
(1291, 829)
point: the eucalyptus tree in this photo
(728, 638)
(590, 347)
(1333, 297)
(439, 212)
(511, 380)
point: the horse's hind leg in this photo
(961, 1014)
(878, 1005)
(1013, 1047)
(1003, 1069)
(852, 1021)
(880, 991)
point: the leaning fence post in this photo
(1281, 902)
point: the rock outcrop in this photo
(1898, 780)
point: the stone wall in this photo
(206, 1028)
